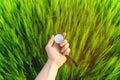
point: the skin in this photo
(56, 58)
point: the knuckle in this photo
(68, 49)
(68, 44)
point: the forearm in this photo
(48, 72)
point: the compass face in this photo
(59, 38)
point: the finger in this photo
(66, 52)
(65, 47)
(62, 44)
(64, 34)
(51, 41)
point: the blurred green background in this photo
(93, 31)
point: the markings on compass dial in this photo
(59, 38)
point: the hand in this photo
(56, 52)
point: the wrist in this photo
(52, 64)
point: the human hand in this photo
(56, 52)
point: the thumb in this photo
(51, 41)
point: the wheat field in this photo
(93, 31)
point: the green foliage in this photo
(92, 27)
